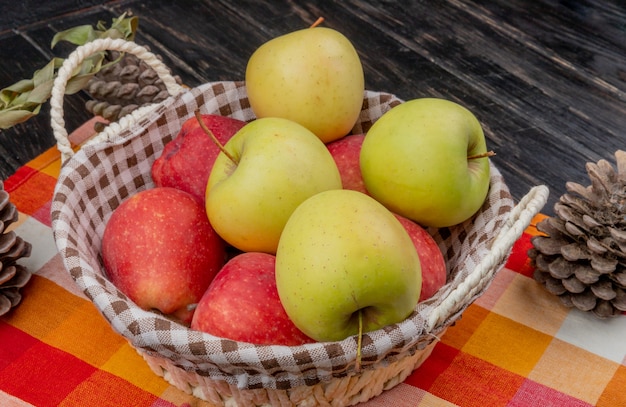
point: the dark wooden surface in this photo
(546, 78)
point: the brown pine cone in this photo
(582, 257)
(124, 86)
(13, 276)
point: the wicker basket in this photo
(116, 164)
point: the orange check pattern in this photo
(515, 346)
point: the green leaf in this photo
(41, 92)
(23, 85)
(9, 118)
(77, 83)
(77, 35)
(44, 74)
(23, 99)
(126, 26)
(8, 94)
(20, 100)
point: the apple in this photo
(346, 152)
(344, 257)
(159, 249)
(426, 159)
(312, 76)
(268, 168)
(242, 304)
(432, 262)
(186, 161)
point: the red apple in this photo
(186, 161)
(434, 272)
(160, 250)
(345, 152)
(242, 304)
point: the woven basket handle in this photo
(74, 60)
(519, 219)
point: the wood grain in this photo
(546, 78)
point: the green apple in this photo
(344, 257)
(426, 159)
(312, 76)
(277, 165)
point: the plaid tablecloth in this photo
(515, 346)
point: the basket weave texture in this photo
(100, 176)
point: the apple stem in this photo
(359, 344)
(482, 155)
(317, 22)
(215, 140)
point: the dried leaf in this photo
(8, 94)
(76, 35)
(77, 83)
(23, 99)
(10, 118)
(41, 92)
(46, 73)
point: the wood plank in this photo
(545, 78)
(16, 14)
(26, 140)
(389, 64)
(538, 110)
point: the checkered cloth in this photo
(514, 346)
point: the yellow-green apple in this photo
(426, 159)
(346, 152)
(242, 304)
(268, 168)
(432, 262)
(159, 249)
(186, 161)
(312, 76)
(344, 258)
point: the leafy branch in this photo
(23, 99)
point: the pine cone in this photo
(582, 257)
(124, 86)
(12, 276)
